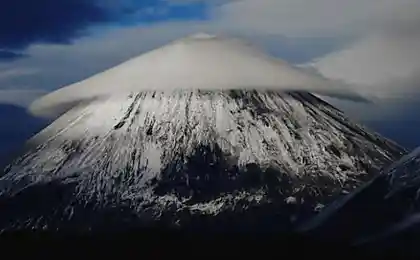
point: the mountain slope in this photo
(383, 215)
(401, 235)
(237, 159)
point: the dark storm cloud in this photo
(23, 22)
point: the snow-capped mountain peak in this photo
(205, 132)
(178, 156)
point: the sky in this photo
(372, 45)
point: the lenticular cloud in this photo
(200, 61)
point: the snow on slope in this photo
(180, 155)
(196, 62)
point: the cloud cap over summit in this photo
(200, 61)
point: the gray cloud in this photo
(314, 17)
(20, 97)
(385, 67)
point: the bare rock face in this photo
(193, 159)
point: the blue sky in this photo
(373, 44)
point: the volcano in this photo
(206, 133)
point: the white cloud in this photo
(384, 66)
(193, 62)
(381, 66)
